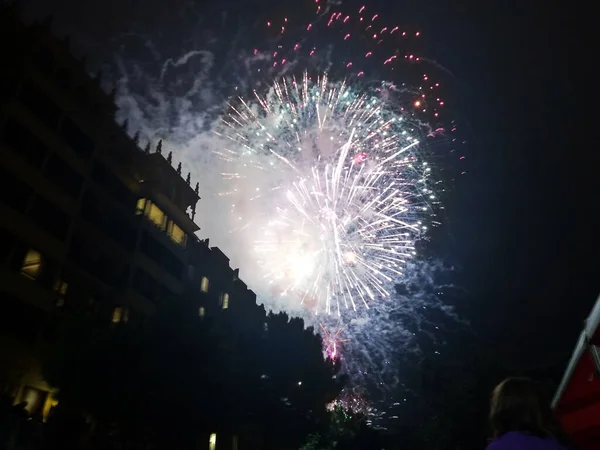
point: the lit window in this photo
(201, 311)
(204, 284)
(156, 215)
(32, 264)
(234, 443)
(117, 313)
(141, 205)
(212, 441)
(224, 300)
(61, 288)
(176, 233)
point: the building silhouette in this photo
(91, 223)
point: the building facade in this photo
(90, 223)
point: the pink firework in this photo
(332, 341)
(389, 42)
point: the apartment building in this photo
(91, 223)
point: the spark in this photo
(331, 341)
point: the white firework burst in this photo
(344, 193)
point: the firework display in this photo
(349, 198)
(329, 179)
(317, 142)
(329, 182)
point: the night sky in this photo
(526, 221)
(523, 223)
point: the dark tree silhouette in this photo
(179, 378)
(298, 383)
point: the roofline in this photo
(593, 321)
(575, 357)
(591, 325)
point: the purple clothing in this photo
(521, 441)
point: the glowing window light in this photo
(204, 285)
(156, 215)
(212, 441)
(176, 233)
(117, 314)
(141, 206)
(224, 300)
(32, 264)
(201, 311)
(60, 287)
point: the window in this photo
(105, 177)
(151, 247)
(103, 215)
(145, 284)
(76, 139)
(204, 284)
(25, 143)
(172, 264)
(167, 296)
(40, 105)
(91, 257)
(224, 300)
(156, 215)
(117, 314)
(176, 233)
(201, 311)
(234, 443)
(60, 287)
(48, 217)
(124, 233)
(63, 175)
(212, 441)
(32, 264)
(141, 205)
(15, 193)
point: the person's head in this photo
(517, 405)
